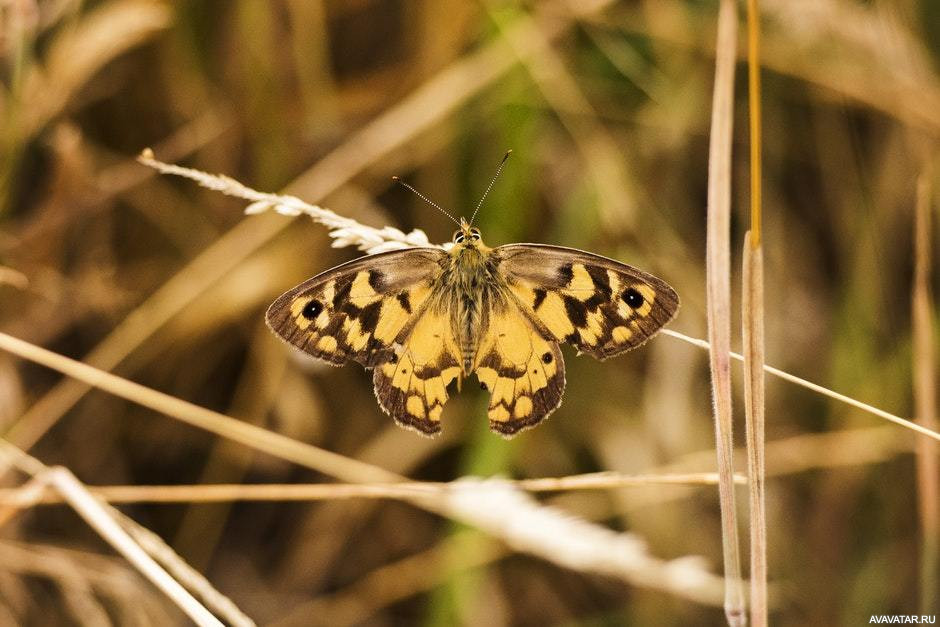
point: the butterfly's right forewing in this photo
(600, 306)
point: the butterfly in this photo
(422, 318)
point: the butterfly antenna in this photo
(490, 186)
(425, 198)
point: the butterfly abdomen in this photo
(472, 285)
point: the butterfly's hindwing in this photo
(357, 310)
(600, 306)
(412, 386)
(523, 371)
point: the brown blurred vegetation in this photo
(606, 106)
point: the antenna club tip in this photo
(396, 178)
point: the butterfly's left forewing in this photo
(357, 310)
(600, 306)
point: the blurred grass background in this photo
(606, 106)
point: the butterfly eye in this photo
(458, 237)
(474, 234)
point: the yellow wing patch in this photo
(523, 371)
(412, 386)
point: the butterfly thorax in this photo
(471, 287)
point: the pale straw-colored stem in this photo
(345, 231)
(752, 314)
(718, 297)
(32, 494)
(100, 519)
(815, 387)
(925, 401)
(752, 326)
(255, 437)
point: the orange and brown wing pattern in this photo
(412, 386)
(358, 309)
(521, 367)
(600, 306)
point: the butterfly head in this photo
(467, 236)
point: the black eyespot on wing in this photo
(312, 309)
(547, 358)
(632, 298)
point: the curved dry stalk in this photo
(925, 400)
(106, 524)
(752, 325)
(752, 314)
(31, 494)
(718, 291)
(345, 231)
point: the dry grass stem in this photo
(753, 330)
(752, 325)
(754, 117)
(925, 400)
(345, 231)
(269, 124)
(809, 385)
(182, 571)
(255, 437)
(32, 494)
(100, 519)
(525, 525)
(718, 291)
(498, 509)
(103, 580)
